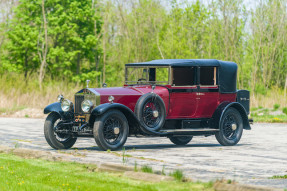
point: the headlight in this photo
(60, 98)
(66, 105)
(87, 105)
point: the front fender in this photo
(218, 114)
(54, 107)
(103, 108)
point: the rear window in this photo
(208, 76)
(183, 76)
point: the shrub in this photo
(284, 110)
(276, 106)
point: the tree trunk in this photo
(285, 87)
(79, 63)
(44, 52)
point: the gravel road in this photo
(261, 153)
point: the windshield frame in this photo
(147, 82)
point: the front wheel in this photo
(111, 130)
(230, 128)
(57, 140)
(180, 140)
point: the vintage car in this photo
(173, 98)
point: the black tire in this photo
(104, 130)
(227, 136)
(55, 140)
(146, 105)
(180, 140)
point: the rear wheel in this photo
(57, 140)
(230, 128)
(180, 140)
(111, 130)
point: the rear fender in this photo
(218, 114)
(103, 108)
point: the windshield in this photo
(147, 75)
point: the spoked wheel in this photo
(111, 130)
(230, 128)
(180, 140)
(150, 111)
(57, 140)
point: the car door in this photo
(208, 91)
(183, 93)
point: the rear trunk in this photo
(243, 97)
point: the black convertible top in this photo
(178, 62)
(227, 70)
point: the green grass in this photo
(34, 174)
(279, 177)
(270, 118)
(261, 114)
(11, 110)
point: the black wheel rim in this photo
(148, 114)
(61, 137)
(109, 133)
(228, 132)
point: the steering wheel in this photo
(141, 79)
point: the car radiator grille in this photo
(78, 101)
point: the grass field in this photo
(33, 174)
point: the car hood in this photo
(127, 95)
(117, 91)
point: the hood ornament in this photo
(152, 88)
(88, 81)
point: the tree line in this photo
(93, 39)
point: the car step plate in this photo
(188, 130)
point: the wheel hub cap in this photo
(116, 130)
(155, 113)
(233, 127)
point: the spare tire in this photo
(150, 111)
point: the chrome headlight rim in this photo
(66, 105)
(87, 105)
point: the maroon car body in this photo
(177, 99)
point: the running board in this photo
(194, 131)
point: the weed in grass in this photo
(109, 150)
(276, 106)
(136, 166)
(177, 174)
(147, 169)
(125, 157)
(163, 170)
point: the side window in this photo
(183, 76)
(208, 76)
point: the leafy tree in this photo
(73, 29)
